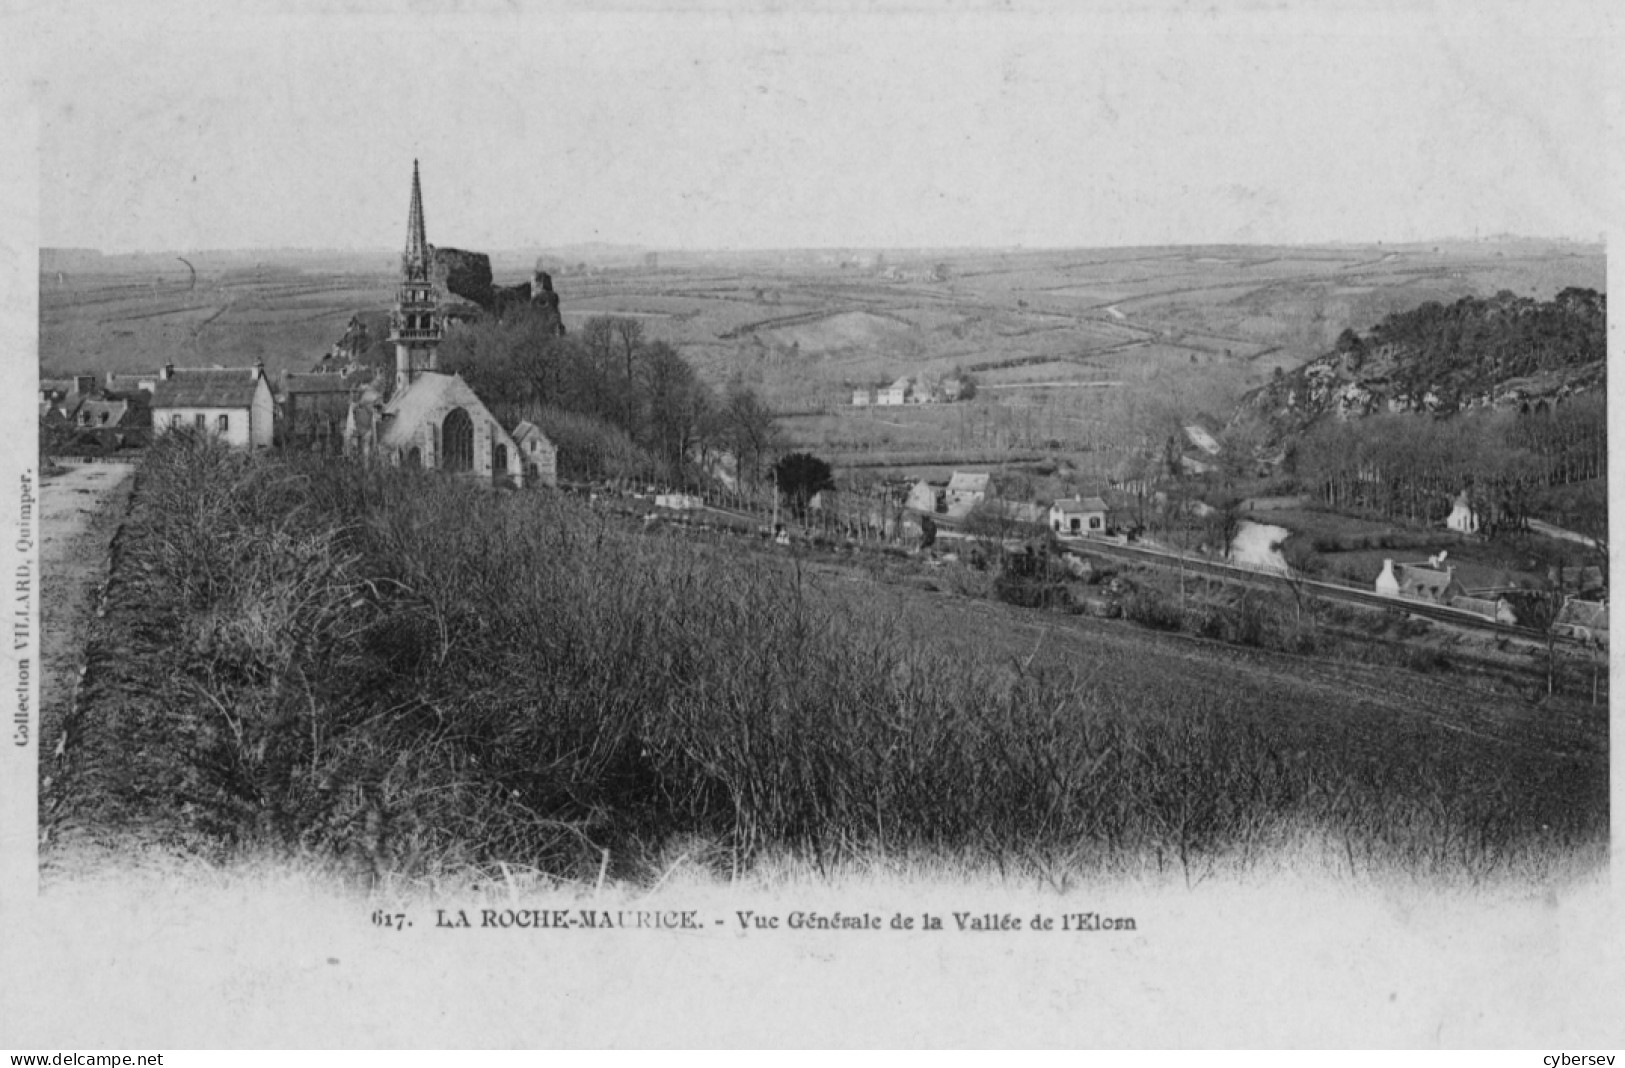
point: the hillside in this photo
(1504, 352)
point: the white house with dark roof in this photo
(1434, 581)
(1077, 516)
(232, 403)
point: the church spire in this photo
(416, 325)
(415, 260)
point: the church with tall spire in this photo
(428, 419)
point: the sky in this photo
(767, 125)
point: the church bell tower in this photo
(416, 325)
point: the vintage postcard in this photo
(741, 524)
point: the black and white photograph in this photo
(739, 524)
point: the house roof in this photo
(115, 410)
(208, 387)
(527, 430)
(1418, 577)
(969, 482)
(1085, 504)
(1479, 605)
(59, 386)
(121, 383)
(901, 383)
(1592, 615)
(315, 382)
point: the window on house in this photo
(225, 423)
(200, 421)
(1094, 522)
(175, 420)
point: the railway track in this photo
(1270, 580)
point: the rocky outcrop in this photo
(465, 274)
(1330, 388)
(468, 275)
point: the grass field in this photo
(400, 674)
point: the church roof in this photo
(208, 387)
(424, 399)
(1087, 504)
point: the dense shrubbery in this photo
(1456, 349)
(414, 674)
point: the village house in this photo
(925, 496)
(1585, 621)
(967, 489)
(894, 394)
(1077, 516)
(1496, 608)
(232, 403)
(429, 419)
(1462, 517)
(105, 414)
(316, 407)
(539, 455)
(861, 397)
(1434, 581)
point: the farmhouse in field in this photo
(232, 403)
(1079, 515)
(429, 420)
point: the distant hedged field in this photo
(404, 674)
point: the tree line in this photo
(617, 403)
(1410, 468)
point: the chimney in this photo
(168, 371)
